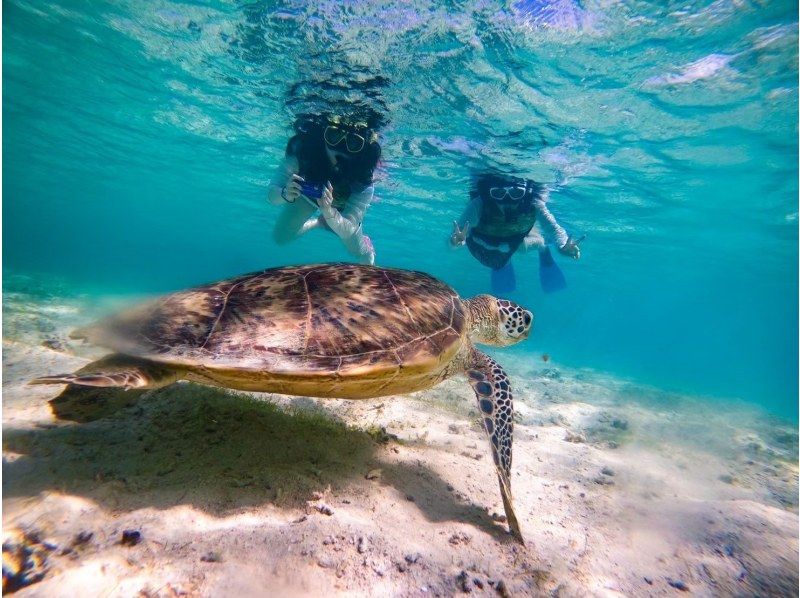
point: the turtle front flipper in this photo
(496, 403)
(117, 371)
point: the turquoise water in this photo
(140, 137)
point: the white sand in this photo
(696, 493)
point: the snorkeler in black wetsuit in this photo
(501, 216)
(329, 166)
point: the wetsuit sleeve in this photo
(551, 229)
(347, 222)
(283, 173)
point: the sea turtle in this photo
(333, 331)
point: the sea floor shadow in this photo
(438, 501)
(216, 450)
(84, 404)
(184, 444)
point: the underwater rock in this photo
(460, 538)
(379, 570)
(574, 437)
(131, 537)
(463, 582)
(54, 344)
(211, 557)
(24, 560)
(326, 563)
(82, 538)
(380, 435)
(499, 518)
(374, 474)
(603, 481)
(678, 584)
(502, 589)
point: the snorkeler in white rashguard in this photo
(501, 217)
(329, 165)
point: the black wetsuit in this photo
(501, 228)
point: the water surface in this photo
(140, 137)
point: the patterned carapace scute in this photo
(306, 318)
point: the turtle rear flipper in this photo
(117, 371)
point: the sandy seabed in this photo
(621, 490)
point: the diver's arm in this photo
(552, 229)
(281, 179)
(360, 246)
(461, 226)
(347, 222)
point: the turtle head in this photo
(498, 322)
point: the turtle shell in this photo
(316, 320)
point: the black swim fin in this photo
(550, 275)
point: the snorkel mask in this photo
(341, 136)
(508, 190)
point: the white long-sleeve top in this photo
(552, 231)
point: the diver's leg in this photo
(311, 224)
(534, 240)
(289, 224)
